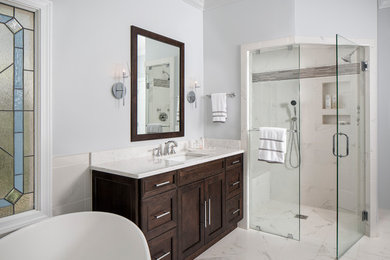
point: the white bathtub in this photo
(84, 235)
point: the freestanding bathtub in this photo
(76, 236)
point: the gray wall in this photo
(91, 44)
(384, 107)
(225, 29)
(350, 18)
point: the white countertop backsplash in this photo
(138, 162)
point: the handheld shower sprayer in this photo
(294, 103)
(293, 145)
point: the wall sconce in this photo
(191, 95)
(119, 89)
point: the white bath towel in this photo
(273, 144)
(154, 128)
(219, 107)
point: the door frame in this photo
(371, 120)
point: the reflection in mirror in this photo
(157, 86)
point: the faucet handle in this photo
(172, 150)
(157, 151)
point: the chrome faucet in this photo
(168, 149)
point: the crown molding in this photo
(199, 4)
(211, 4)
(383, 4)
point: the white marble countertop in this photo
(142, 167)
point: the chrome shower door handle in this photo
(334, 145)
(347, 145)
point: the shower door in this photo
(349, 143)
(273, 97)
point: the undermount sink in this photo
(185, 157)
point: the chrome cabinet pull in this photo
(162, 184)
(236, 211)
(164, 214)
(205, 214)
(164, 255)
(235, 162)
(237, 182)
(209, 211)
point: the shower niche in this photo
(330, 103)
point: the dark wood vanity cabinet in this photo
(183, 212)
(191, 218)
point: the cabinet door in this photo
(215, 200)
(191, 218)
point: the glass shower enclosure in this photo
(274, 196)
(335, 100)
(350, 143)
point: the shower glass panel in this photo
(274, 102)
(350, 143)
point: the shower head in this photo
(164, 72)
(348, 58)
(293, 102)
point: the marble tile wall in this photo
(71, 184)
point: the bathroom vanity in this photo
(182, 208)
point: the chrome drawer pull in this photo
(209, 212)
(205, 214)
(164, 255)
(235, 162)
(162, 184)
(237, 182)
(162, 215)
(236, 211)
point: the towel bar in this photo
(232, 95)
(289, 131)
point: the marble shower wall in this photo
(270, 106)
(318, 125)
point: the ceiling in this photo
(384, 4)
(208, 4)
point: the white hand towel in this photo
(154, 128)
(273, 145)
(219, 107)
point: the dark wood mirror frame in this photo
(135, 31)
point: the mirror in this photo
(157, 86)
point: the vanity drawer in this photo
(234, 161)
(233, 182)
(164, 247)
(200, 172)
(159, 214)
(154, 185)
(234, 211)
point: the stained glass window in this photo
(17, 73)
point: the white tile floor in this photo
(317, 242)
